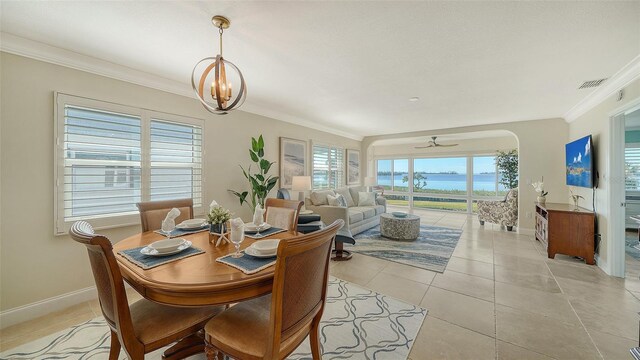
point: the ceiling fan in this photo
(432, 143)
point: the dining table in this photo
(196, 280)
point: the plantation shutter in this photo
(176, 161)
(102, 163)
(328, 167)
(632, 167)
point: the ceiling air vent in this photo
(592, 83)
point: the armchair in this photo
(503, 212)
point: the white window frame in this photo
(469, 196)
(337, 148)
(60, 226)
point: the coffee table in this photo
(400, 228)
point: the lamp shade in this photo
(301, 183)
(369, 181)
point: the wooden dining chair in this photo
(153, 212)
(144, 326)
(282, 213)
(272, 326)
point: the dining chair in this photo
(153, 212)
(143, 326)
(272, 326)
(282, 213)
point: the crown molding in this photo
(619, 80)
(17, 45)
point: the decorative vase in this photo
(541, 199)
(217, 228)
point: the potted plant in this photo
(217, 218)
(260, 183)
(539, 187)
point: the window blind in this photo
(328, 167)
(176, 161)
(102, 163)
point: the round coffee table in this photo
(400, 228)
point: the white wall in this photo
(36, 265)
(596, 122)
(541, 153)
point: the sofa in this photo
(502, 212)
(357, 218)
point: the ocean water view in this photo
(448, 182)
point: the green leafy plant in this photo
(507, 162)
(218, 215)
(260, 183)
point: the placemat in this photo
(179, 232)
(270, 231)
(148, 262)
(248, 264)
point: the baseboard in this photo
(47, 306)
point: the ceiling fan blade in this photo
(447, 145)
(423, 147)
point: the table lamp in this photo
(301, 184)
(369, 181)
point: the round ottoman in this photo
(400, 228)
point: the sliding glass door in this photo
(439, 183)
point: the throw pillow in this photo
(320, 197)
(347, 196)
(366, 199)
(337, 200)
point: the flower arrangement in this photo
(218, 215)
(539, 187)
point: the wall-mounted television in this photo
(579, 162)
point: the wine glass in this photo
(168, 225)
(237, 236)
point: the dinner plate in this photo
(253, 252)
(250, 228)
(192, 224)
(153, 252)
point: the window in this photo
(440, 175)
(328, 167)
(632, 166)
(110, 157)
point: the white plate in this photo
(251, 251)
(167, 245)
(265, 247)
(250, 228)
(191, 224)
(153, 252)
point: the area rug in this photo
(431, 250)
(632, 246)
(357, 324)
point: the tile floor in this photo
(499, 298)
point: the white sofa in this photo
(357, 218)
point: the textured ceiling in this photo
(353, 66)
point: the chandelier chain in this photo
(220, 30)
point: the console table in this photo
(563, 229)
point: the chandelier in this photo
(220, 97)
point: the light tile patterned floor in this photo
(499, 298)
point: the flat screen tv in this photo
(579, 162)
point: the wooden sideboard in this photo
(562, 229)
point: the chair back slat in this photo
(300, 281)
(153, 212)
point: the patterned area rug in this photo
(632, 247)
(357, 324)
(431, 251)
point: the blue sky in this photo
(436, 165)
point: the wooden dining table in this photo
(197, 280)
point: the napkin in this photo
(258, 215)
(212, 205)
(172, 214)
(169, 222)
